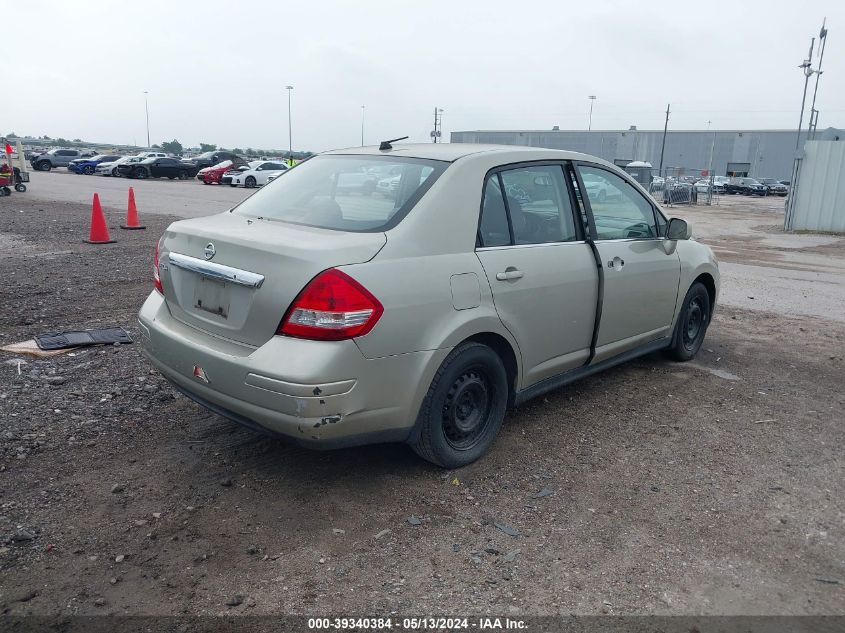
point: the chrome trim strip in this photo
(534, 245)
(216, 271)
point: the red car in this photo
(213, 174)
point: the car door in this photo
(542, 273)
(641, 271)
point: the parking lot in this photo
(715, 486)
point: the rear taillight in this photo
(156, 277)
(332, 307)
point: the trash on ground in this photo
(30, 348)
(79, 338)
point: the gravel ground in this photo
(712, 487)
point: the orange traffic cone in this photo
(99, 231)
(132, 222)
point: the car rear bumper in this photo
(319, 393)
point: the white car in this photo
(258, 173)
(110, 168)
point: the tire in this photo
(140, 173)
(692, 324)
(463, 410)
(183, 175)
(249, 183)
(88, 171)
(43, 165)
(20, 187)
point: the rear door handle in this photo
(510, 273)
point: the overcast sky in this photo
(216, 71)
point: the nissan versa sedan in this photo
(491, 276)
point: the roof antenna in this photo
(387, 144)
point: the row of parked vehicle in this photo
(745, 186)
(215, 167)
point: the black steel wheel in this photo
(692, 324)
(464, 407)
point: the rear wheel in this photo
(692, 324)
(464, 407)
(249, 182)
(20, 187)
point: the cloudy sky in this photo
(216, 71)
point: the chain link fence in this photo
(686, 186)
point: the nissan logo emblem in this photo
(210, 251)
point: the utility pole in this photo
(438, 119)
(290, 129)
(814, 114)
(808, 71)
(710, 167)
(147, 108)
(362, 125)
(592, 99)
(663, 147)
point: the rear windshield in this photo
(345, 193)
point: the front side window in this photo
(619, 210)
(344, 193)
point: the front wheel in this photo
(140, 173)
(88, 171)
(249, 182)
(464, 408)
(44, 165)
(183, 175)
(20, 187)
(692, 324)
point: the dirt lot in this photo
(712, 487)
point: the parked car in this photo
(254, 174)
(745, 186)
(89, 165)
(338, 319)
(157, 167)
(58, 157)
(214, 174)
(773, 187)
(718, 184)
(110, 168)
(209, 159)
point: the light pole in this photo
(147, 108)
(592, 99)
(290, 129)
(362, 125)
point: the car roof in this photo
(453, 151)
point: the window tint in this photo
(619, 210)
(66, 152)
(539, 206)
(493, 228)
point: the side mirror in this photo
(679, 229)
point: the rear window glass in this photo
(346, 193)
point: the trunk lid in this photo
(219, 296)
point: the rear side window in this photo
(539, 206)
(526, 205)
(346, 193)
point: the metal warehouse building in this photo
(756, 153)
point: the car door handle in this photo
(510, 273)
